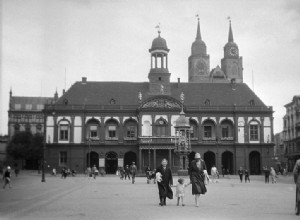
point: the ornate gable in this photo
(161, 103)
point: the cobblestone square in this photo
(111, 198)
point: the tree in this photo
(25, 146)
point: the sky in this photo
(47, 45)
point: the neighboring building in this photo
(279, 151)
(111, 124)
(291, 130)
(3, 144)
(26, 113)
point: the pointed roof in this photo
(230, 35)
(198, 46)
(198, 36)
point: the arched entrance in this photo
(129, 157)
(111, 162)
(254, 162)
(92, 160)
(227, 162)
(210, 160)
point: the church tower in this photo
(159, 76)
(199, 60)
(232, 63)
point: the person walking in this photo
(267, 174)
(273, 175)
(197, 169)
(180, 190)
(247, 176)
(127, 172)
(296, 173)
(214, 174)
(94, 171)
(241, 173)
(7, 177)
(165, 182)
(133, 170)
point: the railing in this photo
(147, 140)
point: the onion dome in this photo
(182, 121)
(198, 47)
(159, 43)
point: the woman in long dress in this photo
(197, 174)
(296, 173)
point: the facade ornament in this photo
(182, 97)
(162, 89)
(140, 97)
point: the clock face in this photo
(200, 68)
(233, 51)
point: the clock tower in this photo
(199, 60)
(232, 63)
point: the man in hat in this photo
(6, 177)
(165, 182)
(133, 170)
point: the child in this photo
(180, 190)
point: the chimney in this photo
(84, 79)
(64, 91)
(178, 82)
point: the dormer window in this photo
(66, 101)
(207, 102)
(159, 78)
(252, 103)
(112, 102)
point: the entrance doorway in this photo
(129, 157)
(254, 162)
(92, 160)
(111, 162)
(227, 162)
(210, 160)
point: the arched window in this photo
(130, 129)
(193, 129)
(147, 129)
(226, 129)
(209, 130)
(93, 127)
(64, 130)
(161, 127)
(111, 129)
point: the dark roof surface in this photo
(126, 93)
(34, 101)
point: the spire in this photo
(230, 36)
(198, 37)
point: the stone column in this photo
(72, 129)
(55, 135)
(154, 158)
(140, 160)
(121, 131)
(170, 158)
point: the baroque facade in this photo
(112, 124)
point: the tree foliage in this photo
(25, 146)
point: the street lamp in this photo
(44, 149)
(89, 158)
(149, 140)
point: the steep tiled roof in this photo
(126, 93)
(34, 101)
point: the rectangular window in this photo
(17, 106)
(93, 131)
(28, 106)
(112, 131)
(207, 131)
(39, 107)
(225, 132)
(64, 132)
(161, 131)
(253, 133)
(131, 131)
(62, 158)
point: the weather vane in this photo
(197, 16)
(158, 27)
(229, 18)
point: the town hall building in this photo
(112, 124)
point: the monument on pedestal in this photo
(182, 141)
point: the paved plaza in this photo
(111, 198)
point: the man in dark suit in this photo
(164, 186)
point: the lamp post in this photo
(44, 149)
(149, 152)
(89, 158)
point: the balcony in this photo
(157, 140)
